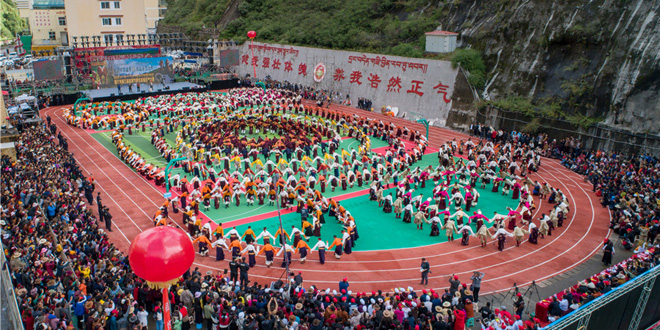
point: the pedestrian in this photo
(519, 305)
(108, 218)
(476, 284)
(425, 269)
(159, 316)
(343, 285)
(608, 252)
(244, 267)
(298, 279)
(233, 270)
(453, 284)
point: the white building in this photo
(440, 41)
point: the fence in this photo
(8, 296)
(634, 305)
(594, 137)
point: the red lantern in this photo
(252, 35)
(161, 255)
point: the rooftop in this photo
(441, 33)
(48, 4)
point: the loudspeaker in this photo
(112, 94)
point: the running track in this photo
(133, 200)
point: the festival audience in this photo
(68, 275)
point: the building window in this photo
(62, 20)
(119, 38)
(51, 35)
(105, 4)
(108, 39)
(161, 12)
(107, 21)
(117, 20)
(117, 5)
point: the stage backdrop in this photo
(413, 85)
(142, 70)
(48, 70)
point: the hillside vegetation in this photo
(12, 23)
(584, 60)
(380, 26)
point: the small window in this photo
(119, 38)
(105, 4)
(117, 5)
(51, 35)
(117, 20)
(62, 20)
(108, 38)
(107, 21)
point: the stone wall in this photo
(418, 87)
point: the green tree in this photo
(471, 60)
(12, 23)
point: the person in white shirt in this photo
(265, 233)
(289, 252)
(252, 252)
(142, 316)
(219, 253)
(501, 235)
(233, 232)
(322, 247)
(296, 235)
(466, 231)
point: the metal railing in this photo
(8, 296)
(580, 318)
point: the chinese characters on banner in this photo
(391, 84)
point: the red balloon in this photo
(252, 34)
(161, 254)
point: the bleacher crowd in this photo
(68, 275)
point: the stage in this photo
(111, 93)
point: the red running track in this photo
(133, 200)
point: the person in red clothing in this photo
(459, 323)
(28, 320)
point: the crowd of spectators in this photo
(591, 288)
(68, 275)
(628, 185)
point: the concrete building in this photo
(113, 18)
(47, 20)
(440, 41)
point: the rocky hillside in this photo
(566, 58)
